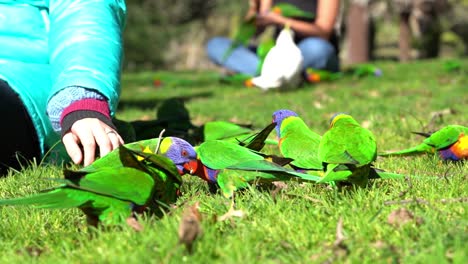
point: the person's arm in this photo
(253, 9)
(85, 43)
(327, 13)
(265, 6)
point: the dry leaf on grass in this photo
(190, 228)
(340, 249)
(231, 213)
(402, 216)
(133, 223)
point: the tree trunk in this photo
(404, 41)
(357, 26)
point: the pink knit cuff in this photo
(95, 105)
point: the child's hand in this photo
(90, 133)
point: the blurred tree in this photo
(358, 31)
(456, 20)
(152, 23)
(420, 27)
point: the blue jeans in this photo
(317, 53)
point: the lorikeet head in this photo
(339, 116)
(248, 83)
(312, 75)
(181, 153)
(279, 116)
(276, 10)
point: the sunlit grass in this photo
(297, 224)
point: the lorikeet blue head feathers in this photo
(279, 116)
(181, 153)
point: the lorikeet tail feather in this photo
(424, 134)
(58, 198)
(380, 174)
(423, 148)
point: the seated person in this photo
(316, 38)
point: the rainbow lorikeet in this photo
(247, 28)
(347, 151)
(452, 65)
(363, 70)
(115, 187)
(237, 79)
(230, 167)
(297, 141)
(290, 10)
(263, 48)
(450, 142)
(243, 79)
(316, 76)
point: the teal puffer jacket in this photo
(49, 45)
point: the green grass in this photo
(299, 223)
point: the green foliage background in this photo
(153, 26)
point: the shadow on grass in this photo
(157, 103)
(171, 116)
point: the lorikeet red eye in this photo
(184, 153)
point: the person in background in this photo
(60, 66)
(316, 38)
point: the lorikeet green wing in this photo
(217, 154)
(347, 146)
(130, 190)
(297, 141)
(112, 190)
(237, 79)
(245, 32)
(262, 50)
(346, 142)
(167, 179)
(175, 157)
(290, 10)
(445, 137)
(231, 180)
(98, 208)
(123, 183)
(224, 130)
(234, 157)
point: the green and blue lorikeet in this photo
(316, 76)
(364, 70)
(290, 10)
(237, 79)
(247, 28)
(452, 65)
(347, 151)
(297, 141)
(262, 50)
(450, 142)
(243, 79)
(231, 167)
(115, 187)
